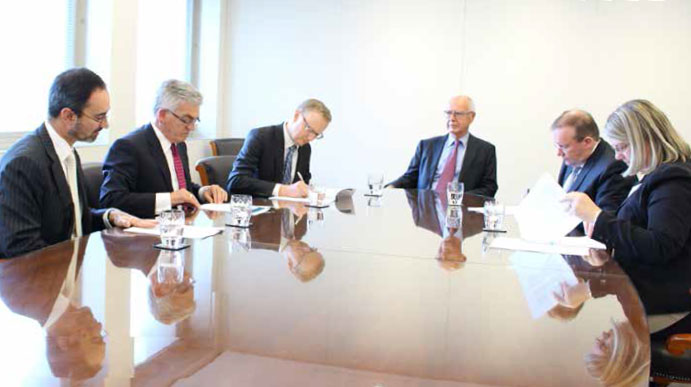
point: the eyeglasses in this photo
(316, 134)
(621, 147)
(187, 120)
(456, 114)
(102, 119)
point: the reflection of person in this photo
(147, 171)
(619, 357)
(268, 165)
(304, 261)
(652, 225)
(42, 185)
(588, 161)
(457, 156)
(42, 286)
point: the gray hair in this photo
(644, 127)
(173, 92)
(315, 105)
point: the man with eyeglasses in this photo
(588, 161)
(147, 171)
(42, 185)
(456, 156)
(275, 160)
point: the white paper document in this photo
(329, 193)
(225, 207)
(541, 215)
(190, 232)
(563, 245)
(541, 276)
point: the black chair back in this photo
(215, 169)
(226, 146)
(93, 175)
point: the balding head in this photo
(460, 113)
(575, 136)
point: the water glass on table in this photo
(171, 224)
(494, 215)
(316, 196)
(454, 193)
(240, 210)
(375, 184)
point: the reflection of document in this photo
(563, 245)
(191, 232)
(540, 276)
(225, 207)
(541, 216)
(330, 195)
(509, 210)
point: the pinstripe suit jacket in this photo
(36, 208)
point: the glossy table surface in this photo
(367, 292)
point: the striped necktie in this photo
(288, 166)
(179, 171)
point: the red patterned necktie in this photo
(448, 171)
(179, 172)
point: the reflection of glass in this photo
(454, 217)
(171, 266)
(494, 215)
(619, 357)
(487, 242)
(315, 215)
(171, 224)
(374, 201)
(454, 193)
(240, 240)
(375, 183)
(240, 210)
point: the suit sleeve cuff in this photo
(277, 188)
(106, 221)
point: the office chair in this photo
(671, 360)
(214, 169)
(226, 146)
(94, 178)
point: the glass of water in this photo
(375, 183)
(316, 196)
(494, 215)
(240, 210)
(454, 193)
(171, 224)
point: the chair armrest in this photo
(677, 344)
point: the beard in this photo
(82, 134)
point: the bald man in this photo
(588, 163)
(457, 155)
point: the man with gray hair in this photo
(456, 156)
(147, 171)
(275, 160)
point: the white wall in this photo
(387, 68)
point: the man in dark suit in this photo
(589, 165)
(457, 156)
(42, 186)
(147, 171)
(275, 160)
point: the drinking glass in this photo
(375, 183)
(494, 215)
(240, 210)
(171, 224)
(454, 193)
(316, 196)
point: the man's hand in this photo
(213, 194)
(122, 219)
(185, 197)
(295, 190)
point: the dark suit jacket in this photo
(136, 169)
(36, 208)
(259, 165)
(478, 174)
(653, 225)
(601, 178)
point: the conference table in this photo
(398, 290)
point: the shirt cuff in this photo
(277, 187)
(163, 202)
(106, 221)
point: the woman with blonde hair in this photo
(652, 225)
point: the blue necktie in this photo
(288, 166)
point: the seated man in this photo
(42, 186)
(589, 165)
(268, 165)
(147, 171)
(456, 156)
